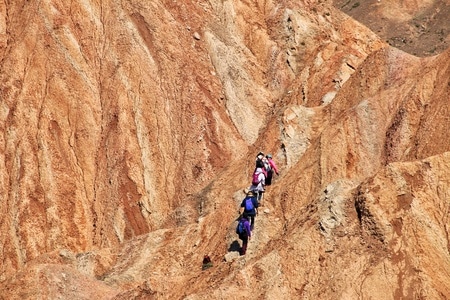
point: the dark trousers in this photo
(244, 238)
(269, 177)
(252, 220)
(259, 195)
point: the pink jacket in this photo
(273, 165)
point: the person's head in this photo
(260, 156)
(250, 194)
(245, 215)
(259, 164)
(269, 155)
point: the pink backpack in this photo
(255, 179)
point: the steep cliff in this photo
(128, 131)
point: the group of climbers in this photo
(261, 177)
(248, 210)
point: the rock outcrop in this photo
(128, 131)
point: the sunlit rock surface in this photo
(128, 131)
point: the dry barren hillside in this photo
(417, 27)
(129, 129)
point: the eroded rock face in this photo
(100, 105)
(406, 215)
(128, 131)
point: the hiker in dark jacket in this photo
(245, 234)
(249, 206)
(259, 158)
(261, 162)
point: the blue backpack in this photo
(240, 227)
(249, 204)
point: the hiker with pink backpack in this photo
(258, 183)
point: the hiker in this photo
(266, 167)
(244, 232)
(259, 163)
(272, 168)
(259, 157)
(258, 183)
(249, 206)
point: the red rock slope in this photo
(129, 129)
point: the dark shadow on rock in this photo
(235, 246)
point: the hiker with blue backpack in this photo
(245, 233)
(249, 206)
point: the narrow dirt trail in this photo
(267, 223)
